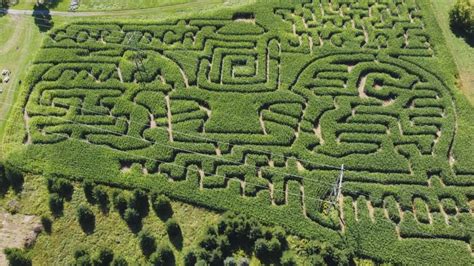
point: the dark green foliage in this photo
(4, 184)
(17, 257)
(462, 17)
(147, 243)
(288, 259)
(139, 202)
(47, 223)
(88, 187)
(101, 197)
(56, 204)
(119, 261)
(162, 206)
(190, 258)
(133, 219)
(105, 257)
(61, 186)
(15, 178)
(86, 219)
(174, 233)
(163, 256)
(120, 202)
(234, 232)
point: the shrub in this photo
(172, 227)
(462, 16)
(139, 202)
(288, 259)
(56, 204)
(190, 258)
(163, 256)
(86, 219)
(147, 243)
(162, 206)
(88, 187)
(17, 257)
(61, 186)
(133, 219)
(119, 261)
(47, 223)
(15, 178)
(105, 257)
(120, 202)
(101, 197)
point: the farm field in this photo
(258, 109)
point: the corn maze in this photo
(256, 109)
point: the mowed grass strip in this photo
(461, 51)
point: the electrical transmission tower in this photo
(336, 191)
(138, 57)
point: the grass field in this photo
(113, 5)
(256, 109)
(461, 51)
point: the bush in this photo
(172, 227)
(162, 206)
(15, 178)
(17, 257)
(462, 16)
(120, 202)
(82, 258)
(163, 256)
(288, 259)
(56, 204)
(101, 197)
(147, 243)
(105, 257)
(139, 202)
(86, 219)
(88, 187)
(133, 219)
(47, 224)
(61, 186)
(190, 258)
(119, 261)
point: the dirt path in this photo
(15, 230)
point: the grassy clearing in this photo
(95, 5)
(17, 50)
(462, 53)
(110, 231)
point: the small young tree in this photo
(133, 219)
(119, 261)
(163, 256)
(101, 197)
(147, 243)
(56, 204)
(462, 17)
(47, 224)
(172, 227)
(17, 257)
(105, 257)
(86, 219)
(162, 206)
(139, 202)
(88, 187)
(120, 202)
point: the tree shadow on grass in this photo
(177, 240)
(461, 33)
(42, 17)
